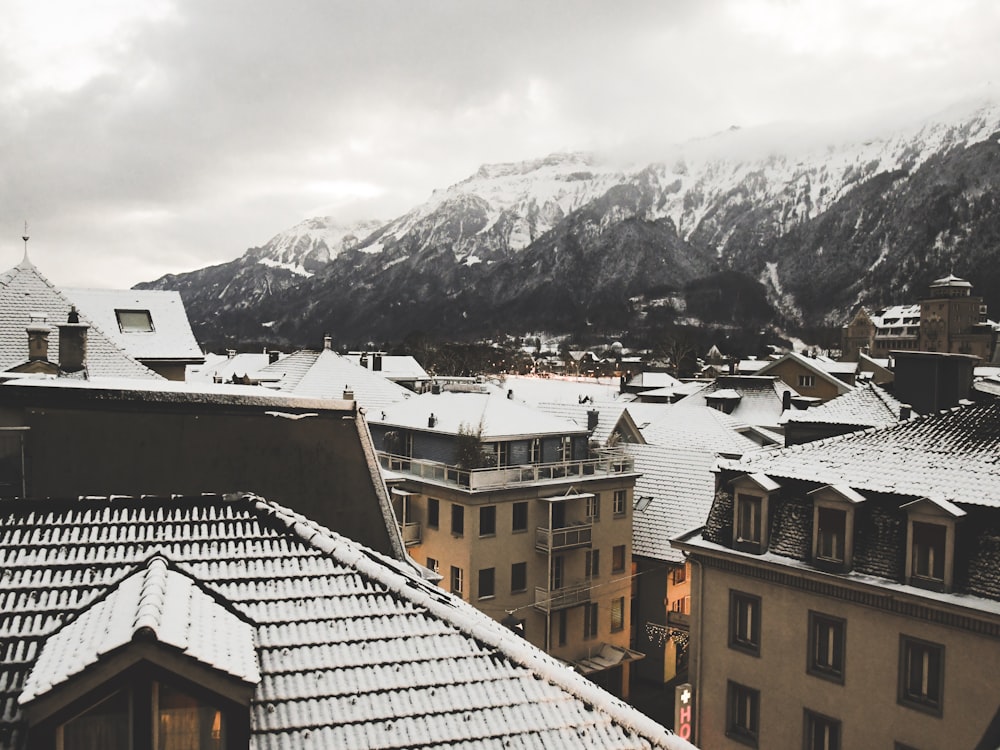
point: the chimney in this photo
(272, 357)
(73, 343)
(435, 388)
(592, 415)
(327, 342)
(510, 393)
(377, 362)
(230, 353)
(38, 339)
(364, 360)
(905, 412)
(432, 420)
(786, 400)
(348, 393)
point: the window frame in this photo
(838, 629)
(807, 381)
(457, 519)
(523, 574)
(619, 554)
(593, 507)
(457, 581)
(519, 508)
(746, 733)
(487, 520)
(433, 513)
(592, 563)
(618, 611)
(487, 576)
(835, 499)
(591, 616)
(745, 614)
(124, 327)
(929, 513)
(933, 705)
(434, 565)
(813, 720)
(754, 489)
(619, 505)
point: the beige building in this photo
(520, 516)
(845, 592)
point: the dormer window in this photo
(752, 494)
(833, 526)
(134, 321)
(930, 546)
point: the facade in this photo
(948, 319)
(214, 622)
(847, 591)
(815, 378)
(521, 518)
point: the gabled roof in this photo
(760, 402)
(571, 390)
(325, 374)
(950, 456)
(25, 292)
(699, 427)
(171, 337)
(824, 369)
(650, 380)
(224, 367)
(500, 417)
(354, 649)
(611, 416)
(394, 366)
(866, 406)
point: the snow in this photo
(295, 268)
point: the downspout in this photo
(701, 632)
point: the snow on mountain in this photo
(313, 243)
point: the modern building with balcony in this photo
(521, 516)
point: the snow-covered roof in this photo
(25, 293)
(500, 417)
(171, 337)
(649, 380)
(699, 427)
(609, 416)
(823, 368)
(394, 366)
(760, 402)
(225, 367)
(354, 649)
(866, 406)
(571, 390)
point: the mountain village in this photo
(572, 541)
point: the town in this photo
(324, 548)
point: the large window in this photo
(457, 519)
(518, 577)
(921, 674)
(743, 713)
(827, 641)
(744, 622)
(487, 583)
(488, 520)
(820, 732)
(519, 521)
(807, 381)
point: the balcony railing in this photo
(567, 537)
(607, 462)
(411, 533)
(551, 600)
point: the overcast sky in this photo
(158, 136)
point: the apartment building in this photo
(521, 516)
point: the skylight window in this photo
(134, 321)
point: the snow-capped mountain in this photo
(745, 227)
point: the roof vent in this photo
(364, 360)
(905, 412)
(327, 342)
(348, 393)
(592, 416)
(432, 420)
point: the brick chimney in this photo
(38, 338)
(73, 343)
(377, 362)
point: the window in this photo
(820, 732)
(921, 674)
(621, 497)
(503, 454)
(618, 614)
(535, 451)
(488, 520)
(594, 507)
(457, 519)
(518, 577)
(831, 534)
(566, 449)
(457, 580)
(433, 564)
(807, 381)
(590, 620)
(557, 572)
(743, 713)
(433, 512)
(827, 638)
(752, 494)
(134, 321)
(561, 625)
(120, 721)
(520, 519)
(744, 622)
(679, 574)
(833, 526)
(592, 563)
(748, 519)
(927, 550)
(618, 558)
(487, 581)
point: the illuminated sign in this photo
(683, 711)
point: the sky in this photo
(145, 138)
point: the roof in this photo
(649, 380)
(760, 402)
(354, 649)
(949, 456)
(325, 374)
(609, 416)
(25, 292)
(226, 367)
(571, 390)
(499, 417)
(698, 427)
(171, 337)
(825, 369)
(866, 406)
(394, 366)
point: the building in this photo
(222, 622)
(847, 591)
(401, 369)
(521, 517)
(948, 319)
(868, 405)
(815, 378)
(758, 401)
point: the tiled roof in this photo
(354, 649)
(866, 406)
(760, 397)
(326, 374)
(500, 417)
(570, 390)
(826, 369)
(25, 292)
(608, 415)
(952, 456)
(224, 367)
(394, 366)
(699, 427)
(171, 337)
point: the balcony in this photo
(552, 600)
(681, 620)
(566, 537)
(607, 462)
(411, 533)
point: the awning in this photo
(606, 657)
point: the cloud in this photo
(140, 139)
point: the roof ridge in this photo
(152, 596)
(462, 616)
